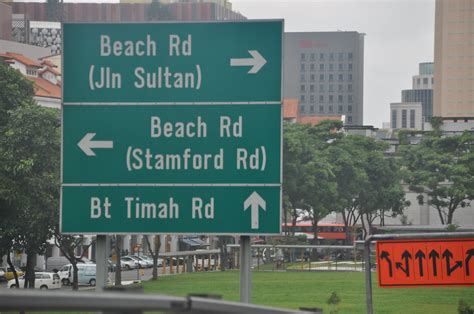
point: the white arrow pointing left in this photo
(86, 144)
(254, 201)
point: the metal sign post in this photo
(245, 269)
(101, 253)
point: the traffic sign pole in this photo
(245, 269)
(101, 253)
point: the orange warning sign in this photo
(425, 262)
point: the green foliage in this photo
(29, 168)
(464, 307)
(325, 171)
(441, 168)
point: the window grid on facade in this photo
(394, 119)
(412, 118)
(404, 119)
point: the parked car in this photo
(8, 272)
(150, 260)
(130, 263)
(43, 280)
(144, 263)
(112, 265)
(2, 277)
(86, 274)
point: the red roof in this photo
(48, 69)
(21, 59)
(44, 88)
(314, 120)
(290, 108)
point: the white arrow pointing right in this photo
(255, 201)
(257, 62)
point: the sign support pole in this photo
(368, 277)
(101, 263)
(245, 269)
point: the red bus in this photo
(325, 231)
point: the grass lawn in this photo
(312, 289)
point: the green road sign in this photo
(172, 128)
(172, 144)
(217, 210)
(172, 62)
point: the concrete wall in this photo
(5, 21)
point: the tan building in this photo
(454, 59)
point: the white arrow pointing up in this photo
(254, 201)
(86, 144)
(256, 62)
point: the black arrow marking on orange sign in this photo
(420, 256)
(448, 255)
(470, 253)
(406, 256)
(434, 255)
(386, 256)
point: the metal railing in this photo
(26, 300)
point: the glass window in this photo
(412, 118)
(425, 80)
(302, 68)
(349, 87)
(331, 77)
(340, 77)
(321, 87)
(331, 98)
(311, 98)
(311, 77)
(302, 108)
(404, 118)
(312, 57)
(303, 57)
(331, 67)
(349, 108)
(321, 98)
(302, 98)
(341, 56)
(330, 109)
(339, 98)
(321, 77)
(349, 77)
(349, 98)
(311, 88)
(339, 108)
(311, 67)
(331, 56)
(394, 119)
(418, 81)
(302, 88)
(341, 67)
(311, 108)
(331, 87)
(349, 66)
(302, 77)
(349, 119)
(432, 80)
(321, 67)
(349, 56)
(321, 108)
(340, 87)
(321, 56)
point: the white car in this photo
(129, 262)
(43, 281)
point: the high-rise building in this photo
(422, 90)
(325, 71)
(454, 59)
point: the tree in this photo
(29, 169)
(154, 252)
(69, 245)
(442, 169)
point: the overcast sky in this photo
(399, 35)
